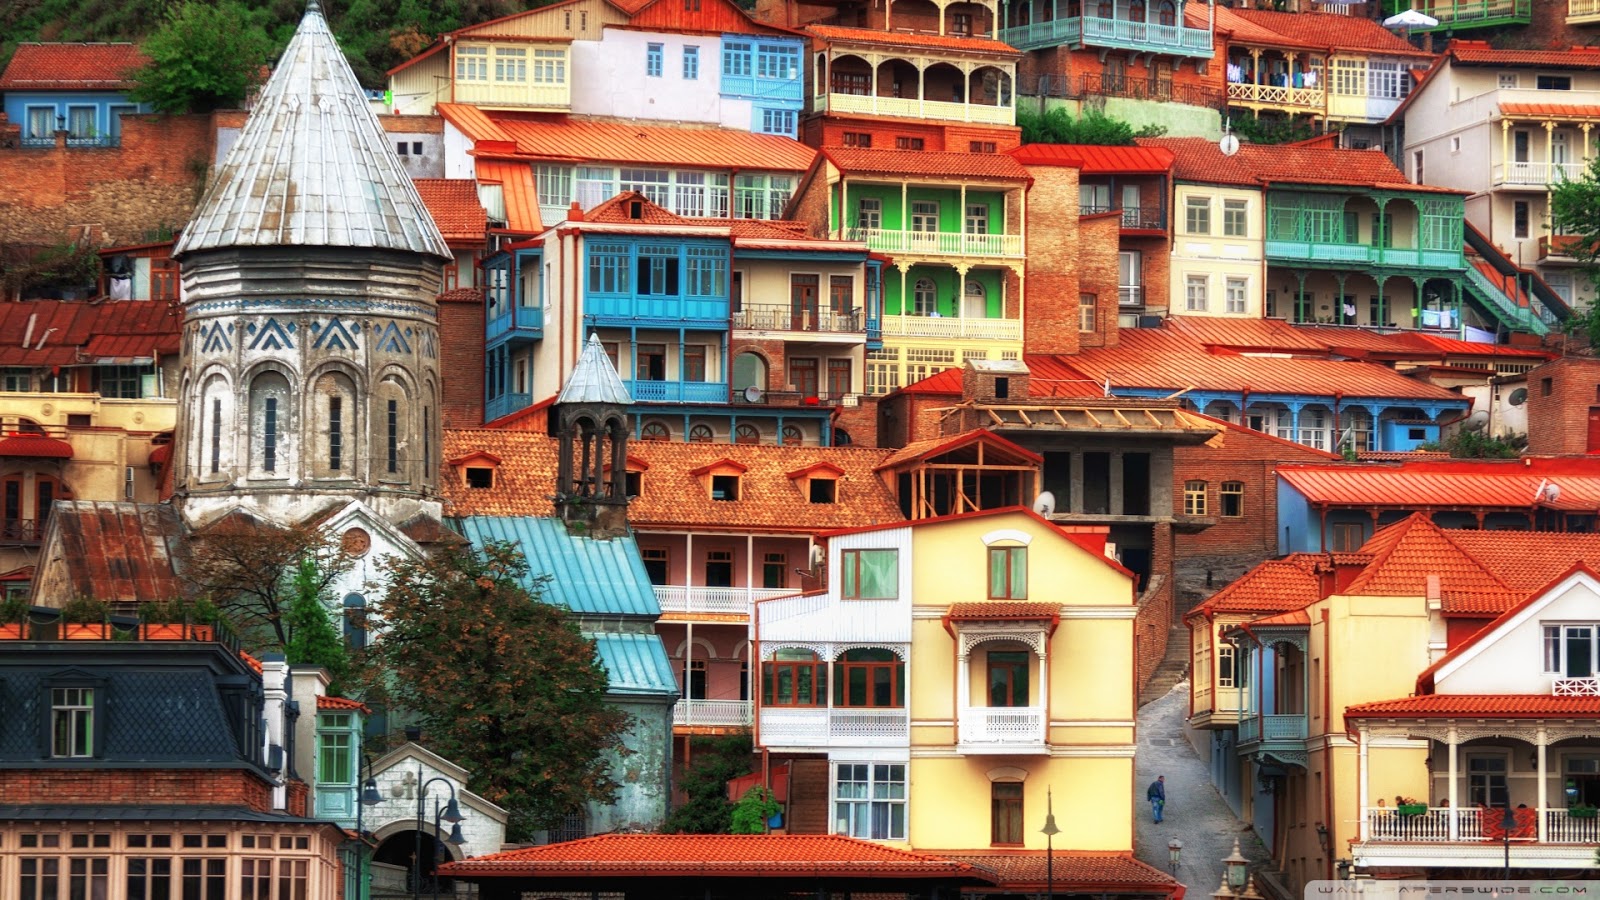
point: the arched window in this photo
(1136, 10)
(794, 677)
(1167, 13)
(841, 438)
(355, 621)
(213, 429)
(746, 434)
(974, 301)
(391, 430)
(654, 431)
(701, 434)
(924, 298)
(792, 436)
(335, 428)
(749, 371)
(269, 425)
(869, 677)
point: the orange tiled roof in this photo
(453, 203)
(1277, 585)
(1480, 53)
(514, 135)
(1330, 31)
(461, 295)
(855, 161)
(1200, 160)
(1410, 552)
(326, 702)
(716, 855)
(1560, 110)
(1097, 160)
(1526, 561)
(669, 495)
(516, 187)
(1485, 706)
(1075, 871)
(986, 46)
(1290, 619)
(1246, 31)
(1009, 610)
(617, 211)
(71, 67)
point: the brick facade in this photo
(1152, 624)
(1052, 267)
(1564, 407)
(139, 787)
(1097, 276)
(461, 330)
(861, 421)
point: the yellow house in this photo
(954, 672)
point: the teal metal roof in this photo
(588, 576)
(635, 663)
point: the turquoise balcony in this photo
(514, 326)
(687, 312)
(678, 391)
(1361, 255)
(1287, 731)
(1116, 32)
(505, 405)
(1365, 230)
(1457, 15)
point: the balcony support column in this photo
(1505, 148)
(750, 555)
(1452, 741)
(1583, 151)
(1549, 156)
(1541, 740)
(1365, 826)
(1255, 68)
(688, 559)
(1044, 688)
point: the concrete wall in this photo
(645, 776)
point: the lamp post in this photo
(1174, 855)
(1049, 831)
(369, 796)
(1508, 822)
(454, 838)
(451, 814)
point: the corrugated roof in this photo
(594, 379)
(312, 166)
(454, 205)
(1478, 706)
(1505, 484)
(1561, 110)
(71, 67)
(669, 496)
(588, 576)
(1092, 159)
(855, 161)
(715, 855)
(838, 34)
(117, 552)
(517, 188)
(1480, 53)
(35, 446)
(635, 663)
(1330, 31)
(524, 135)
(66, 329)
(1274, 335)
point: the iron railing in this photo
(1098, 84)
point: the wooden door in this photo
(803, 302)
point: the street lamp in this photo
(1508, 822)
(1174, 854)
(455, 838)
(1049, 831)
(369, 797)
(451, 814)
(1236, 867)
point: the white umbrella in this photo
(1410, 18)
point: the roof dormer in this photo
(818, 482)
(478, 470)
(722, 479)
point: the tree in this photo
(1057, 126)
(254, 571)
(716, 761)
(202, 58)
(502, 683)
(313, 639)
(1575, 212)
(1467, 444)
(754, 810)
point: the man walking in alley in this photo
(1157, 795)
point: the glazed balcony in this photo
(677, 598)
(1273, 729)
(1002, 729)
(1111, 33)
(712, 714)
(1456, 15)
(505, 95)
(916, 108)
(952, 327)
(784, 317)
(1536, 175)
(505, 405)
(822, 727)
(677, 391)
(1580, 12)
(626, 311)
(517, 326)
(1291, 99)
(937, 243)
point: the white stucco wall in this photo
(1510, 660)
(397, 784)
(614, 82)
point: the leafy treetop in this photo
(203, 57)
(1575, 211)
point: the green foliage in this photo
(501, 683)
(13, 609)
(178, 610)
(716, 761)
(250, 570)
(43, 273)
(1271, 130)
(1057, 126)
(753, 810)
(1575, 211)
(203, 57)
(313, 639)
(84, 611)
(1466, 444)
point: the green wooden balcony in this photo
(1336, 253)
(1456, 15)
(1080, 32)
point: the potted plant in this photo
(1582, 811)
(177, 620)
(1405, 806)
(85, 618)
(13, 618)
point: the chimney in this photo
(575, 212)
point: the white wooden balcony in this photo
(913, 108)
(936, 243)
(952, 327)
(712, 713)
(1536, 174)
(677, 598)
(1002, 729)
(1474, 825)
(1276, 95)
(1576, 687)
(817, 726)
(514, 95)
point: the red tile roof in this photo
(67, 329)
(1559, 110)
(769, 500)
(985, 46)
(716, 855)
(326, 702)
(1097, 160)
(855, 161)
(1200, 160)
(517, 189)
(1481, 706)
(1073, 871)
(1329, 31)
(514, 135)
(71, 67)
(461, 295)
(1277, 585)
(1008, 610)
(35, 446)
(1244, 31)
(617, 211)
(454, 205)
(1526, 561)
(1292, 619)
(1407, 554)
(1480, 53)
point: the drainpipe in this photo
(1327, 727)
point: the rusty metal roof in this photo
(115, 552)
(312, 166)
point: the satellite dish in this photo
(1552, 492)
(752, 394)
(1045, 503)
(1477, 421)
(1229, 145)
(1518, 397)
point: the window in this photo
(745, 433)
(701, 434)
(869, 574)
(207, 879)
(655, 563)
(335, 751)
(1508, 81)
(924, 216)
(472, 63)
(761, 196)
(1455, 143)
(725, 487)
(1197, 215)
(778, 121)
(1569, 650)
(839, 377)
(869, 678)
(554, 184)
(479, 478)
(147, 878)
(1416, 167)
(706, 273)
(72, 734)
(1350, 77)
(1194, 498)
(822, 490)
(269, 394)
(510, 65)
(119, 381)
(650, 362)
(1225, 666)
(1196, 290)
(1008, 573)
(777, 61)
(1486, 781)
(980, 147)
(393, 427)
(549, 67)
(1545, 385)
(1553, 82)
(977, 218)
(961, 23)
(869, 213)
(908, 143)
(694, 680)
(857, 138)
(1234, 222)
(795, 677)
(841, 295)
(1519, 219)
(652, 60)
(41, 122)
(1234, 295)
(719, 568)
(1387, 81)
(1008, 678)
(691, 63)
(924, 298)
(1232, 499)
(870, 801)
(1005, 813)
(736, 58)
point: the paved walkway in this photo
(1195, 814)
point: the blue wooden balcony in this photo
(678, 391)
(1286, 730)
(753, 87)
(517, 326)
(1079, 32)
(505, 405)
(687, 312)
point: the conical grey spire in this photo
(312, 166)
(594, 379)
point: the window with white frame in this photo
(689, 194)
(1225, 666)
(510, 65)
(1508, 81)
(1350, 77)
(1234, 295)
(1387, 80)
(335, 749)
(1314, 427)
(1196, 293)
(870, 801)
(925, 215)
(762, 196)
(554, 184)
(1235, 221)
(1197, 215)
(977, 218)
(1086, 311)
(869, 213)
(41, 122)
(72, 725)
(549, 67)
(654, 184)
(596, 185)
(472, 63)
(924, 298)
(1569, 650)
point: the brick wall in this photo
(153, 180)
(1153, 620)
(861, 421)
(1098, 237)
(297, 798)
(811, 204)
(1558, 421)
(1155, 262)
(1052, 267)
(138, 787)
(461, 341)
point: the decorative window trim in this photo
(1007, 534)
